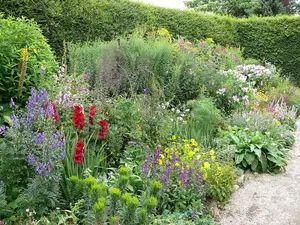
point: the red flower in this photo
(103, 124)
(78, 117)
(104, 131)
(79, 153)
(92, 114)
(55, 115)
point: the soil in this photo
(266, 199)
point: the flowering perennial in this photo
(104, 131)
(79, 152)
(78, 117)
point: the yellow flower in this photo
(160, 162)
(205, 176)
(161, 156)
(177, 164)
(179, 182)
(206, 165)
(194, 142)
(167, 150)
(278, 123)
(212, 152)
(191, 154)
(213, 157)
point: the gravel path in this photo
(267, 199)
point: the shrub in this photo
(26, 59)
(271, 39)
(256, 150)
(202, 120)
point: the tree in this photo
(241, 8)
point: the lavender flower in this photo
(85, 76)
(49, 111)
(62, 155)
(15, 120)
(57, 141)
(2, 129)
(39, 138)
(31, 159)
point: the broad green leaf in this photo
(254, 164)
(235, 138)
(257, 152)
(244, 163)
(249, 157)
(239, 158)
(264, 162)
(252, 147)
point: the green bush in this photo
(24, 53)
(271, 39)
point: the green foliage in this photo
(256, 150)
(240, 8)
(270, 39)
(127, 205)
(24, 53)
(204, 121)
(186, 218)
(221, 180)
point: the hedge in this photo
(274, 39)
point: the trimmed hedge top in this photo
(274, 39)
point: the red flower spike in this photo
(104, 131)
(92, 114)
(78, 117)
(103, 123)
(79, 153)
(55, 116)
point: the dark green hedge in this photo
(274, 39)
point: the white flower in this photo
(172, 109)
(245, 99)
(221, 91)
(245, 89)
(180, 118)
(178, 111)
(235, 98)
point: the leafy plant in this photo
(257, 151)
(27, 60)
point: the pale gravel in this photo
(267, 199)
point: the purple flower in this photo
(12, 103)
(49, 111)
(43, 70)
(111, 173)
(2, 129)
(166, 174)
(146, 164)
(184, 176)
(132, 143)
(15, 120)
(57, 141)
(31, 159)
(156, 156)
(39, 138)
(62, 155)
(146, 91)
(85, 76)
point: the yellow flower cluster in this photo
(189, 153)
